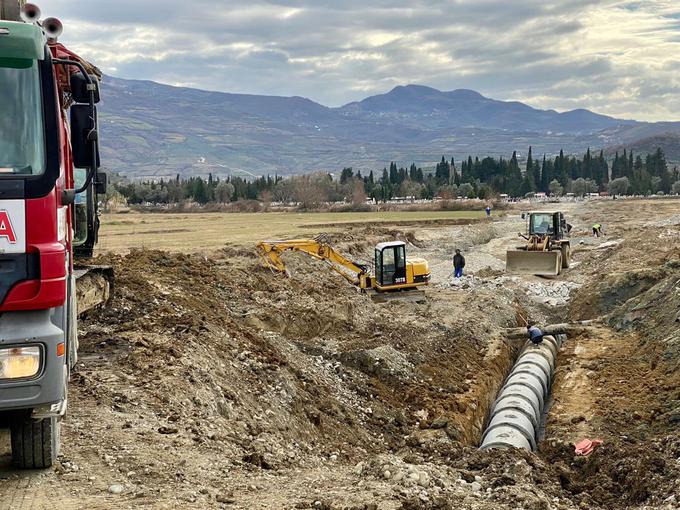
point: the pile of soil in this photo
(217, 355)
(210, 382)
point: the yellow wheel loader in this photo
(393, 272)
(547, 250)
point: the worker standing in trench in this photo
(535, 334)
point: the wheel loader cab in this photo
(552, 224)
(542, 224)
(390, 264)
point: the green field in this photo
(205, 231)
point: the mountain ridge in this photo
(152, 130)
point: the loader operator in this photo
(535, 335)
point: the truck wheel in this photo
(35, 444)
(566, 256)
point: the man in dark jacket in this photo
(458, 264)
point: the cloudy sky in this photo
(616, 57)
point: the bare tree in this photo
(224, 192)
(619, 186)
(556, 188)
(311, 191)
(358, 192)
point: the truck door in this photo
(86, 218)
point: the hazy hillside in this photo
(669, 142)
(429, 108)
(152, 130)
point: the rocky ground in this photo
(210, 382)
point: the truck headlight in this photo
(19, 362)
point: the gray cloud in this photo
(614, 56)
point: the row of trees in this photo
(474, 178)
(489, 176)
(643, 176)
(197, 189)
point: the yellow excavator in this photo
(393, 272)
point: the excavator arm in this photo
(271, 252)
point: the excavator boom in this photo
(394, 277)
(271, 251)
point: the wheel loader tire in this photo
(559, 262)
(35, 444)
(566, 256)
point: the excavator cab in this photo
(394, 272)
(390, 264)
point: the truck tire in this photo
(566, 256)
(35, 444)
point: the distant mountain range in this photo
(151, 130)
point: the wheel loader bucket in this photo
(542, 263)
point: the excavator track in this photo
(94, 287)
(411, 296)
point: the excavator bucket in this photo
(541, 263)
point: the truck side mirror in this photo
(83, 135)
(79, 89)
(102, 182)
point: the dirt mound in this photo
(620, 271)
(256, 371)
(211, 382)
(621, 473)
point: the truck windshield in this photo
(22, 145)
(542, 224)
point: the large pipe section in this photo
(516, 415)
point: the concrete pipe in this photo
(518, 411)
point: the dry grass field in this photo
(196, 232)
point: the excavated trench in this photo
(517, 417)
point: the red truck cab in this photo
(41, 152)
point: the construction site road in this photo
(210, 382)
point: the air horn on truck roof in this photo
(51, 27)
(30, 13)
